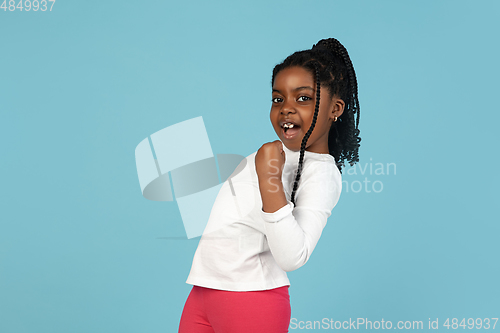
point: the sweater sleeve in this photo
(294, 230)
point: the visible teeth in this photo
(288, 125)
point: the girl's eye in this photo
(304, 98)
(276, 100)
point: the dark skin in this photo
(294, 100)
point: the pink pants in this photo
(221, 311)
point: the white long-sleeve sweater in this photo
(243, 248)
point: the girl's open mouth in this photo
(290, 130)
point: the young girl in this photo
(268, 219)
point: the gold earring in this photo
(335, 119)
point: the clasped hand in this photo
(270, 160)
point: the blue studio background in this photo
(414, 235)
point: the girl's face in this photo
(293, 102)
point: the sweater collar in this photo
(292, 157)
(289, 152)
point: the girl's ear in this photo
(337, 107)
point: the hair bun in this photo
(330, 45)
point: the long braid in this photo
(351, 100)
(354, 102)
(307, 135)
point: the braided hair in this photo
(329, 62)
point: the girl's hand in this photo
(269, 161)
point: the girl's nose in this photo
(287, 108)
